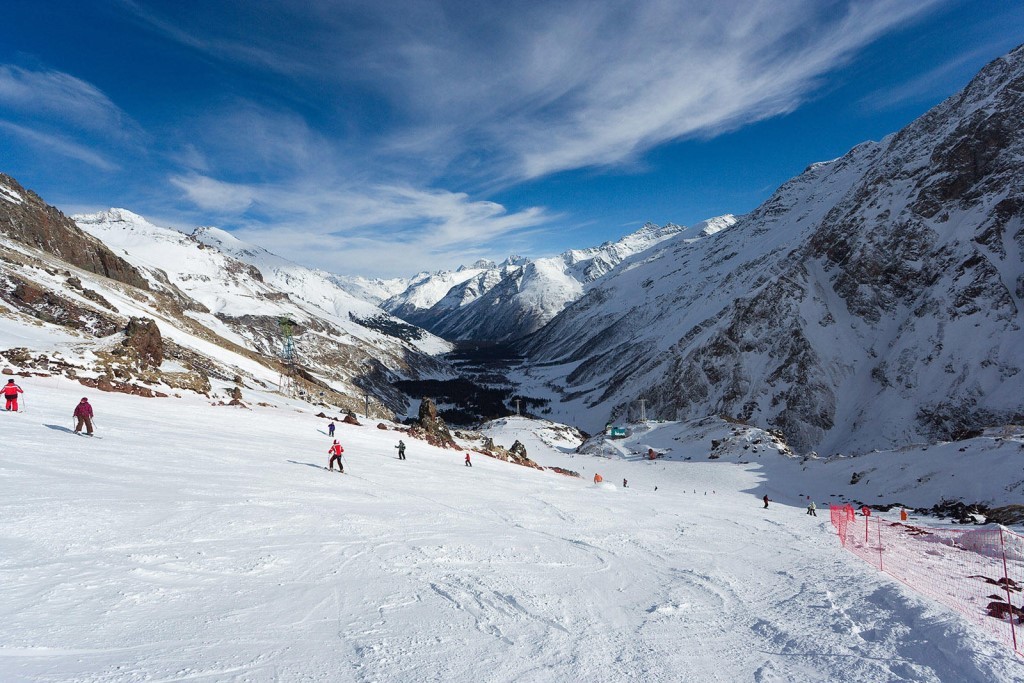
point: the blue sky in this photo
(382, 138)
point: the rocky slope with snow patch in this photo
(872, 301)
(215, 316)
(245, 291)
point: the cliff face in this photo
(26, 218)
(872, 301)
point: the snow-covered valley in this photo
(199, 542)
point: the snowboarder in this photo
(330, 429)
(598, 478)
(468, 463)
(766, 501)
(812, 509)
(401, 450)
(624, 483)
(336, 450)
(11, 391)
(83, 416)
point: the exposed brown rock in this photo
(431, 428)
(516, 454)
(104, 383)
(37, 224)
(53, 308)
(142, 337)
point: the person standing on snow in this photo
(330, 429)
(401, 449)
(812, 509)
(83, 416)
(11, 391)
(468, 463)
(335, 451)
(624, 484)
(766, 501)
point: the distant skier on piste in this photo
(468, 463)
(11, 391)
(330, 429)
(83, 416)
(401, 449)
(335, 451)
(766, 501)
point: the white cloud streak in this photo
(511, 92)
(59, 145)
(483, 95)
(391, 227)
(57, 97)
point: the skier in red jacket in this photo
(11, 391)
(336, 450)
(83, 416)
(469, 463)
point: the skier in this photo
(83, 416)
(766, 501)
(330, 429)
(336, 450)
(624, 483)
(468, 463)
(812, 509)
(11, 391)
(598, 478)
(401, 450)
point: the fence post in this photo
(1006, 585)
(878, 526)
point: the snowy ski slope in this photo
(206, 543)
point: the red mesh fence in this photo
(977, 572)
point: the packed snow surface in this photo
(199, 542)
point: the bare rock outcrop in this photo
(142, 337)
(431, 427)
(28, 219)
(515, 454)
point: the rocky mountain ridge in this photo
(488, 302)
(873, 300)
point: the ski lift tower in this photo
(286, 382)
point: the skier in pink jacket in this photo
(83, 416)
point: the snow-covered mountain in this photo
(518, 296)
(873, 300)
(216, 304)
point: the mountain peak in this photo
(111, 215)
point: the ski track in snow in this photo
(199, 543)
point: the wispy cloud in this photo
(505, 92)
(390, 226)
(57, 97)
(400, 101)
(60, 145)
